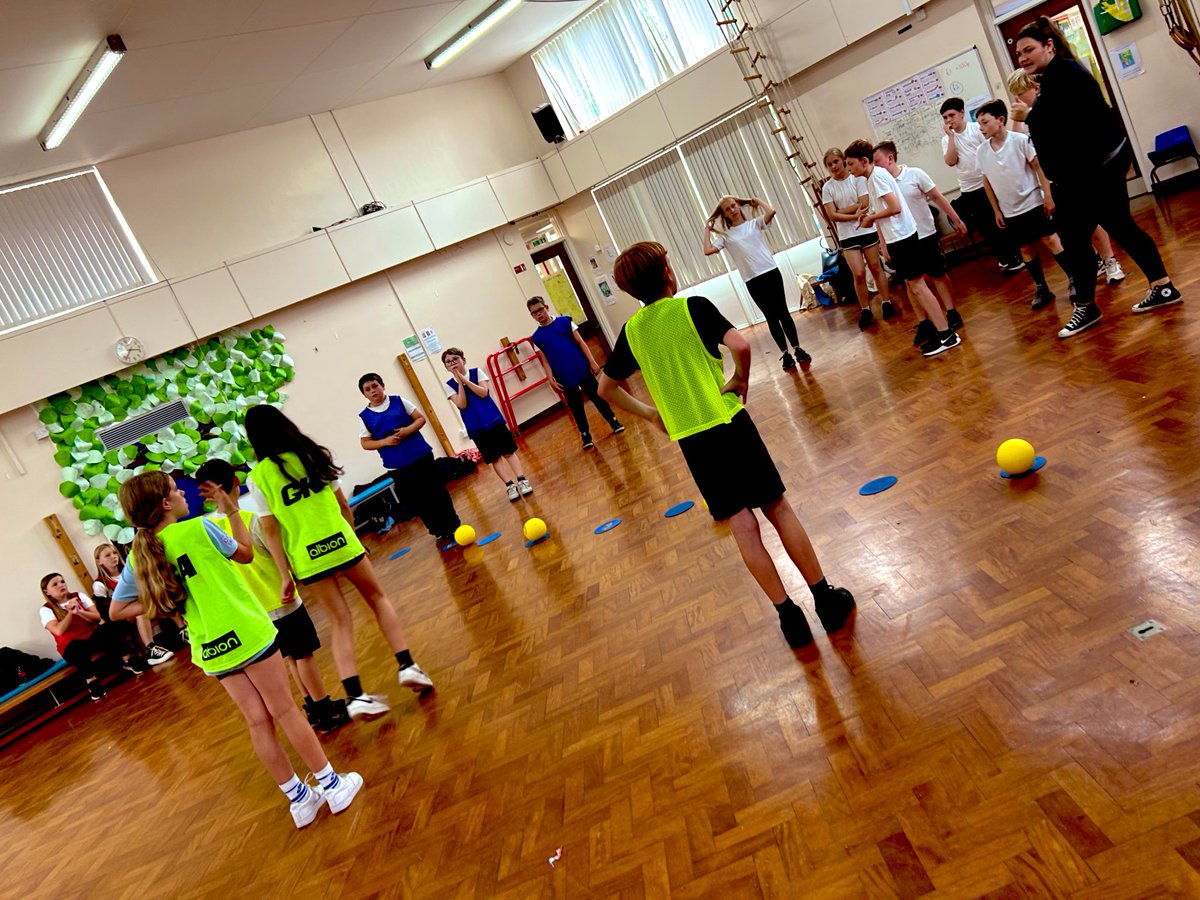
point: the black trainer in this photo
(1043, 297)
(795, 628)
(788, 362)
(1157, 297)
(946, 340)
(925, 332)
(802, 356)
(96, 689)
(1082, 319)
(1012, 266)
(134, 664)
(866, 318)
(954, 319)
(331, 715)
(889, 311)
(834, 609)
(587, 440)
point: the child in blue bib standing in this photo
(573, 369)
(392, 427)
(471, 395)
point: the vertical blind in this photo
(63, 244)
(656, 202)
(669, 197)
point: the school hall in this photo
(266, 201)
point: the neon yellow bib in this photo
(226, 625)
(316, 536)
(260, 574)
(683, 378)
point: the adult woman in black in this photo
(1085, 154)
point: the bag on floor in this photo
(452, 468)
(18, 667)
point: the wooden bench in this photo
(43, 684)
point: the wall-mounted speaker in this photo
(548, 124)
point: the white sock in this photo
(327, 777)
(295, 789)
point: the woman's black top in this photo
(1073, 130)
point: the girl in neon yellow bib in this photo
(304, 512)
(185, 566)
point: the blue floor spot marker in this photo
(449, 546)
(679, 508)
(538, 541)
(877, 485)
(399, 553)
(494, 536)
(608, 526)
(1038, 462)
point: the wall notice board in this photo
(907, 111)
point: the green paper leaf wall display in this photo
(218, 380)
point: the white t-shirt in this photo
(893, 228)
(260, 547)
(47, 615)
(483, 378)
(382, 408)
(967, 144)
(841, 194)
(914, 183)
(1012, 178)
(748, 248)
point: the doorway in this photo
(1073, 19)
(565, 291)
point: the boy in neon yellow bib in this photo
(264, 575)
(676, 342)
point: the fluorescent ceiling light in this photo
(99, 66)
(470, 34)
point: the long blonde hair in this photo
(161, 591)
(718, 214)
(100, 566)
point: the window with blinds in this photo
(669, 197)
(63, 244)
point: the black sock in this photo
(508, 484)
(352, 686)
(1061, 259)
(1034, 268)
(309, 702)
(404, 659)
(520, 478)
(785, 607)
(819, 589)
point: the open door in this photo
(565, 291)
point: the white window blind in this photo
(656, 202)
(620, 51)
(63, 244)
(740, 156)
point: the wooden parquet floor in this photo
(988, 728)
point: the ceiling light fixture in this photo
(470, 34)
(99, 66)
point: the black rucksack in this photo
(17, 668)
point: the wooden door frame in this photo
(559, 250)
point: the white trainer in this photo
(512, 493)
(366, 706)
(304, 811)
(156, 655)
(414, 677)
(525, 486)
(343, 795)
(1113, 271)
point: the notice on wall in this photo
(606, 291)
(1127, 60)
(431, 341)
(413, 348)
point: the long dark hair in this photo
(273, 434)
(1044, 31)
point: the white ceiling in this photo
(202, 68)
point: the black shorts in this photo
(860, 241)
(932, 260)
(297, 634)
(1029, 227)
(266, 654)
(732, 467)
(495, 442)
(907, 257)
(329, 573)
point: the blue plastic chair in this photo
(1171, 146)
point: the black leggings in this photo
(105, 639)
(1100, 198)
(574, 398)
(766, 290)
(420, 485)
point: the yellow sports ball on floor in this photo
(464, 535)
(1015, 456)
(535, 529)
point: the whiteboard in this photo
(906, 112)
